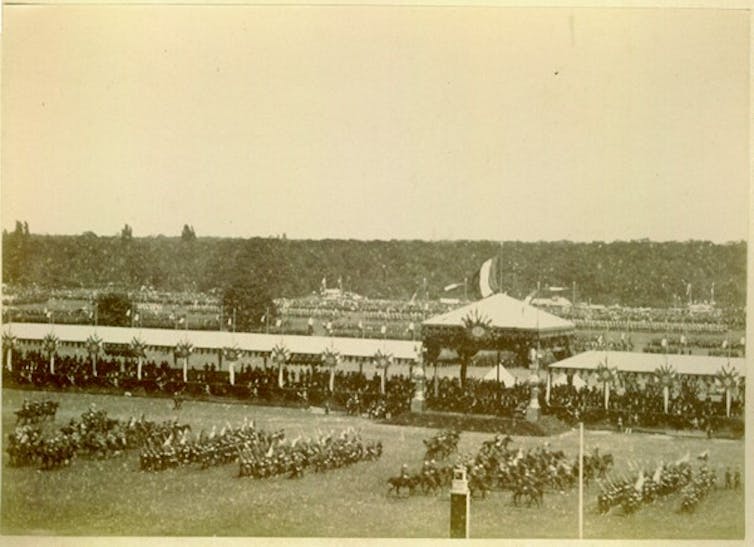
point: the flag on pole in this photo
(383, 329)
(128, 312)
(725, 344)
(640, 481)
(278, 323)
(230, 321)
(664, 343)
(658, 473)
(181, 320)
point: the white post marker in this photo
(460, 501)
(581, 480)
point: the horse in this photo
(396, 483)
(530, 492)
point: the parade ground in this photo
(113, 497)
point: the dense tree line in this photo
(637, 273)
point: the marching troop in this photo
(326, 452)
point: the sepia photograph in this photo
(368, 271)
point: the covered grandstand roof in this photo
(627, 361)
(504, 312)
(256, 342)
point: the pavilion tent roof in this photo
(627, 361)
(255, 342)
(504, 312)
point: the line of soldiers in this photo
(32, 412)
(704, 480)
(207, 450)
(326, 452)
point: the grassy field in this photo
(114, 498)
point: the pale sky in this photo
(377, 123)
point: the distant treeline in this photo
(633, 273)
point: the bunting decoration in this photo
(9, 344)
(231, 354)
(139, 350)
(727, 378)
(383, 361)
(280, 356)
(666, 376)
(50, 346)
(93, 348)
(607, 377)
(182, 351)
(330, 358)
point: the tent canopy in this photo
(626, 361)
(504, 312)
(401, 350)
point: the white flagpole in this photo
(581, 480)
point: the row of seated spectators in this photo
(637, 404)
(642, 406)
(301, 384)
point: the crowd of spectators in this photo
(302, 384)
(642, 406)
(635, 403)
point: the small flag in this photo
(742, 341)
(383, 329)
(136, 317)
(725, 344)
(683, 340)
(278, 323)
(658, 474)
(261, 320)
(230, 321)
(181, 320)
(664, 343)
(411, 326)
(128, 312)
(640, 481)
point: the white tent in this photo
(506, 378)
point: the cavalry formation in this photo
(499, 466)
(168, 445)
